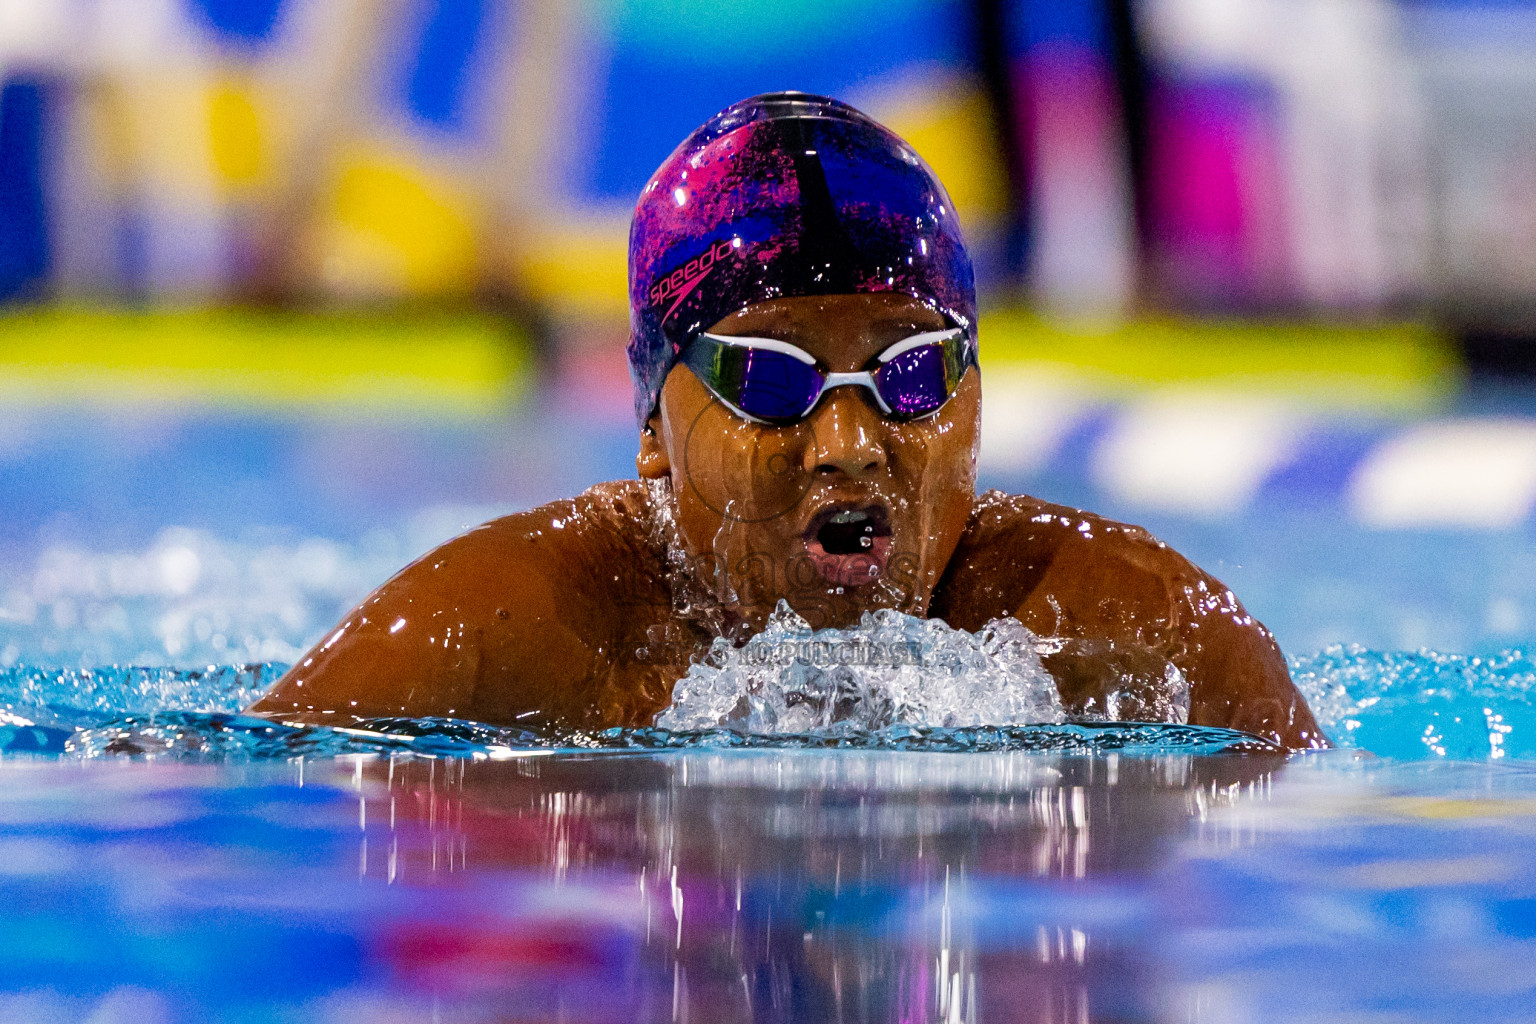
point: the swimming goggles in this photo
(774, 382)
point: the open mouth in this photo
(849, 544)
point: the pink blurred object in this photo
(1215, 197)
(1082, 258)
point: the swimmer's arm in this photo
(1238, 678)
(1118, 583)
(479, 628)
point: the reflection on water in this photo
(767, 886)
(800, 887)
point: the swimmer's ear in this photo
(652, 463)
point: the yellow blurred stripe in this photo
(454, 365)
(579, 267)
(237, 140)
(394, 228)
(1394, 367)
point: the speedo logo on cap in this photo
(678, 284)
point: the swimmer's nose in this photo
(845, 436)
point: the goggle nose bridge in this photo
(857, 378)
(830, 380)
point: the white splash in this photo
(890, 669)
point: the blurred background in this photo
(295, 289)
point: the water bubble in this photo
(890, 669)
(1411, 703)
(179, 568)
(195, 714)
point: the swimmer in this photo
(808, 397)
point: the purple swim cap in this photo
(785, 194)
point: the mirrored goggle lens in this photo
(918, 381)
(766, 384)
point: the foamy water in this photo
(891, 669)
(1423, 704)
(938, 689)
(247, 608)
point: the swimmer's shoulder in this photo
(582, 547)
(607, 522)
(1069, 573)
(510, 617)
(1018, 550)
(1002, 518)
(576, 548)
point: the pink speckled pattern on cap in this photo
(781, 195)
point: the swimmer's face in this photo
(840, 513)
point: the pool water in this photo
(189, 538)
(768, 886)
(164, 858)
(1404, 706)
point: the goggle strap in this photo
(776, 345)
(770, 344)
(918, 341)
(696, 360)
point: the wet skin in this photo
(752, 495)
(570, 614)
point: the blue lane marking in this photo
(245, 21)
(33, 739)
(24, 249)
(438, 79)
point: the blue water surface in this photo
(165, 858)
(183, 714)
(1407, 706)
(777, 885)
